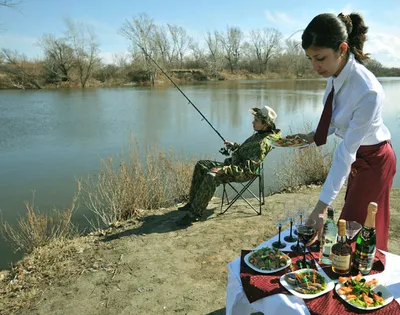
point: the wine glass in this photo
(307, 235)
(297, 247)
(301, 213)
(291, 213)
(280, 220)
(352, 229)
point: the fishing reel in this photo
(225, 151)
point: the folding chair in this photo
(245, 187)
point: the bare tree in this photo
(59, 56)
(21, 73)
(198, 55)
(121, 60)
(215, 53)
(85, 47)
(180, 41)
(9, 3)
(294, 59)
(140, 32)
(162, 43)
(231, 43)
(265, 43)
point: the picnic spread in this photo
(278, 287)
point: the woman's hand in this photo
(318, 215)
(307, 136)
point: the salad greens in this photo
(268, 258)
(360, 292)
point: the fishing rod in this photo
(224, 150)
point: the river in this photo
(50, 138)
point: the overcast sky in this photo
(20, 27)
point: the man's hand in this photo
(215, 170)
(229, 144)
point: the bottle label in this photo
(327, 249)
(364, 261)
(341, 262)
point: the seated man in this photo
(241, 166)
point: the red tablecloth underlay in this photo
(257, 285)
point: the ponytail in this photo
(356, 31)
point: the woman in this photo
(353, 111)
(242, 166)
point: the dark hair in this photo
(328, 30)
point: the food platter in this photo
(325, 283)
(267, 260)
(289, 142)
(378, 288)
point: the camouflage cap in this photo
(265, 113)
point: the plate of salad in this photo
(365, 293)
(267, 260)
(289, 142)
(307, 283)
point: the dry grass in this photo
(40, 228)
(132, 183)
(306, 166)
(60, 261)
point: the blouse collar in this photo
(344, 74)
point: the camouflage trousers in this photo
(204, 185)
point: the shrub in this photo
(40, 228)
(136, 182)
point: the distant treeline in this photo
(74, 59)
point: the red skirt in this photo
(371, 179)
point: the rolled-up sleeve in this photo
(364, 117)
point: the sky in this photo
(23, 25)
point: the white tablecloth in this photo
(238, 304)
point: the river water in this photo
(49, 138)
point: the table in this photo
(238, 304)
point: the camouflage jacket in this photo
(247, 157)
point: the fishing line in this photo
(224, 150)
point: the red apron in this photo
(371, 179)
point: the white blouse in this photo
(356, 118)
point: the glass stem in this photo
(304, 256)
(279, 235)
(291, 225)
(298, 243)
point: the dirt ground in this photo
(149, 266)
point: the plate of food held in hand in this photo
(267, 260)
(365, 293)
(307, 283)
(290, 142)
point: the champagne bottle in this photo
(329, 237)
(341, 251)
(366, 242)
